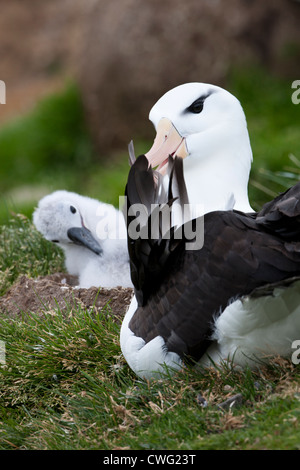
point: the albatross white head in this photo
(205, 125)
(92, 234)
(63, 219)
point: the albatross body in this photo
(237, 298)
(92, 235)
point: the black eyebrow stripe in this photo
(202, 98)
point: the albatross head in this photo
(205, 125)
(59, 219)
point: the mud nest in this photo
(59, 291)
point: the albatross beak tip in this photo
(83, 236)
(168, 141)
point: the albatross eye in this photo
(73, 209)
(197, 106)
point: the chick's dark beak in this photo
(83, 236)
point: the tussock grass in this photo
(23, 250)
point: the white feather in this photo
(53, 218)
(149, 360)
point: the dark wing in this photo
(235, 260)
(149, 253)
(241, 253)
(282, 214)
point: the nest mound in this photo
(44, 293)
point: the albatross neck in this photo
(218, 183)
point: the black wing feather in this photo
(181, 292)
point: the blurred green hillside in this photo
(273, 123)
(50, 147)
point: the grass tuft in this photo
(23, 250)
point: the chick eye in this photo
(73, 209)
(197, 106)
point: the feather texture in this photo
(180, 293)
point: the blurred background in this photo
(81, 78)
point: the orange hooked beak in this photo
(167, 142)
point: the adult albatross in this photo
(237, 298)
(247, 284)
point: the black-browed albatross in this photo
(218, 302)
(206, 126)
(92, 235)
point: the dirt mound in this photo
(59, 290)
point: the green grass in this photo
(23, 250)
(65, 384)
